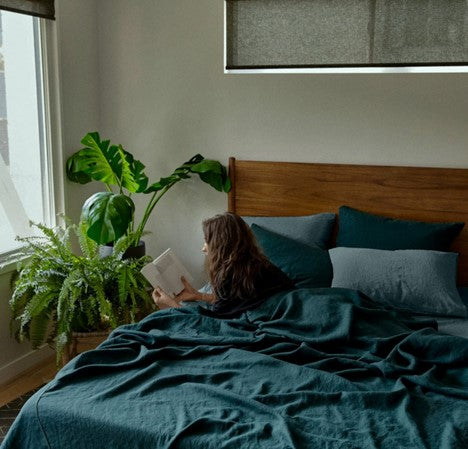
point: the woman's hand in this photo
(162, 300)
(188, 293)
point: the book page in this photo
(165, 272)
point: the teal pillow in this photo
(312, 230)
(305, 265)
(415, 280)
(359, 229)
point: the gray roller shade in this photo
(38, 8)
(351, 33)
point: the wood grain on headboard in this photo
(412, 193)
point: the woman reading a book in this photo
(240, 275)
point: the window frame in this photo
(52, 164)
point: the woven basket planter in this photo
(81, 342)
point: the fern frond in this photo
(123, 283)
(38, 329)
(88, 247)
(90, 308)
(53, 235)
(20, 299)
(61, 340)
(121, 245)
(38, 304)
(35, 248)
(107, 312)
(67, 298)
(59, 240)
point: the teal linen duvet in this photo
(310, 368)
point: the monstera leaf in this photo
(210, 171)
(110, 164)
(108, 216)
(213, 173)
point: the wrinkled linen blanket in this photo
(310, 368)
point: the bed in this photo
(312, 367)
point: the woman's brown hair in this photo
(234, 258)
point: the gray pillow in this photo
(312, 230)
(420, 281)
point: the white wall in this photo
(78, 28)
(164, 96)
(78, 53)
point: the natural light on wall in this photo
(24, 194)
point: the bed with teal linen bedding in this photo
(310, 368)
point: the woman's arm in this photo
(190, 294)
(208, 297)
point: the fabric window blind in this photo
(38, 8)
(351, 33)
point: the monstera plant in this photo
(110, 214)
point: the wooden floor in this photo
(29, 380)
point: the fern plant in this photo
(56, 292)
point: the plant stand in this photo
(81, 342)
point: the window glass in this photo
(24, 193)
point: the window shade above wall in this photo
(351, 33)
(38, 8)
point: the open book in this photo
(165, 272)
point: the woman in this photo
(240, 275)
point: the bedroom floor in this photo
(9, 412)
(14, 394)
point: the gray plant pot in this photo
(134, 252)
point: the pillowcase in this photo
(306, 266)
(463, 292)
(313, 230)
(414, 280)
(359, 229)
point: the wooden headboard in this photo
(412, 193)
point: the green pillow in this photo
(359, 229)
(306, 266)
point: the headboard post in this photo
(232, 192)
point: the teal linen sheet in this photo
(310, 368)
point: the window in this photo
(25, 162)
(373, 35)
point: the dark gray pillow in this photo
(312, 230)
(420, 281)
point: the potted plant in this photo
(58, 292)
(110, 214)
